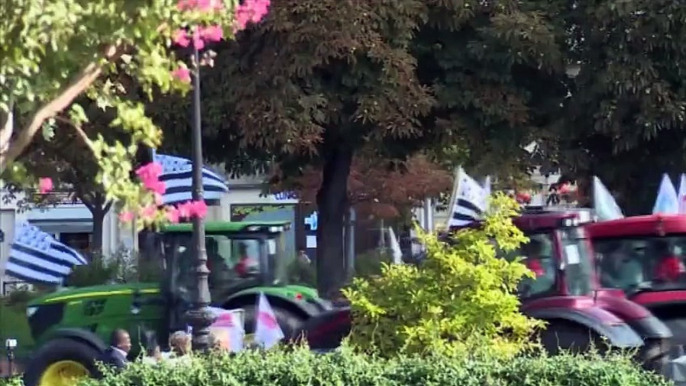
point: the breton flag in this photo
(469, 200)
(667, 201)
(682, 194)
(36, 257)
(178, 178)
(604, 204)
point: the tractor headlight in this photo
(275, 229)
(30, 311)
(253, 228)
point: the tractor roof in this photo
(228, 226)
(650, 225)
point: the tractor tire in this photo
(567, 337)
(654, 355)
(72, 354)
(288, 321)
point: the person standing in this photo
(120, 345)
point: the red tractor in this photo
(564, 293)
(643, 256)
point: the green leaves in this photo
(458, 303)
(113, 52)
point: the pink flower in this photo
(180, 38)
(172, 215)
(148, 213)
(158, 197)
(156, 186)
(185, 210)
(149, 172)
(250, 11)
(209, 5)
(45, 185)
(198, 209)
(198, 41)
(183, 74)
(186, 5)
(213, 33)
(126, 216)
(200, 5)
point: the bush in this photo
(301, 367)
(370, 263)
(460, 302)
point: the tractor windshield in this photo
(539, 257)
(543, 257)
(642, 263)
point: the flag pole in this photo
(453, 197)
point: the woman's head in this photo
(180, 343)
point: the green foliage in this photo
(460, 302)
(47, 64)
(302, 367)
(371, 263)
(623, 117)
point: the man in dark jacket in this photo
(120, 345)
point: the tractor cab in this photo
(245, 259)
(558, 252)
(644, 256)
(240, 255)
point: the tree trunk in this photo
(98, 208)
(332, 203)
(98, 220)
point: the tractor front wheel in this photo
(563, 336)
(61, 362)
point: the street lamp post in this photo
(199, 316)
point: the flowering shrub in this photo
(118, 45)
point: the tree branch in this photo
(48, 110)
(79, 131)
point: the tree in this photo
(54, 51)
(318, 81)
(624, 117)
(68, 161)
(311, 85)
(377, 187)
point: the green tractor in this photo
(71, 327)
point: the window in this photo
(79, 241)
(633, 264)
(539, 257)
(578, 265)
(231, 261)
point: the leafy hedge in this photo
(301, 367)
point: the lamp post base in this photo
(200, 320)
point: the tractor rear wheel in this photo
(61, 362)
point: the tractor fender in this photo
(618, 333)
(300, 308)
(85, 336)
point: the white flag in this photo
(267, 330)
(395, 247)
(667, 201)
(682, 194)
(469, 200)
(487, 185)
(604, 204)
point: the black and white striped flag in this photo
(469, 201)
(177, 175)
(36, 257)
